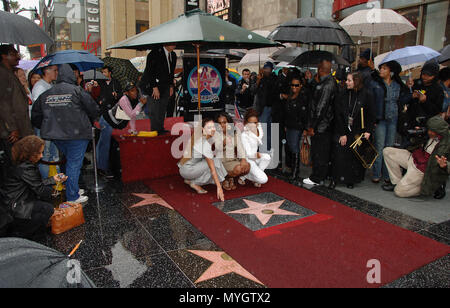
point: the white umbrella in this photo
(257, 56)
(376, 22)
(139, 63)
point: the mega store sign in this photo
(93, 39)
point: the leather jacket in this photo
(23, 186)
(322, 107)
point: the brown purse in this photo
(305, 152)
(67, 218)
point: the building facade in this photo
(73, 24)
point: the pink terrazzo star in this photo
(264, 212)
(222, 265)
(150, 199)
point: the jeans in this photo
(50, 154)
(294, 137)
(266, 117)
(385, 133)
(104, 145)
(74, 151)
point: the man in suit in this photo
(158, 84)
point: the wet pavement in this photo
(133, 239)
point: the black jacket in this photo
(66, 111)
(296, 111)
(230, 91)
(349, 103)
(246, 98)
(156, 72)
(431, 107)
(106, 98)
(23, 187)
(322, 107)
(266, 92)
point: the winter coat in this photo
(66, 111)
(349, 103)
(296, 111)
(266, 93)
(14, 113)
(23, 187)
(432, 106)
(322, 107)
(388, 109)
(435, 176)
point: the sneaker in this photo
(309, 182)
(82, 199)
(388, 187)
(81, 192)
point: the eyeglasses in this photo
(296, 85)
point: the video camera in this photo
(418, 137)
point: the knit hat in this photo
(366, 54)
(129, 86)
(268, 65)
(431, 68)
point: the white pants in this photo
(410, 184)
(257, 168)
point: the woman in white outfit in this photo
(203, 168)
(252, 139)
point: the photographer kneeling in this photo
(424, 176)
(27, 195)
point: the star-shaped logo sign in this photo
(150, 199)
(264, 212)
(205, 82)
(222, 265)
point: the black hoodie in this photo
(66, 111)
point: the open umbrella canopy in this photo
(232, 54)
(196, 27)
(311, 31)
(84, 60)
(16, 29)
(27, 64)
(122, 70)
(411, 55)
(25, 264)
(287, 54)
(94, 75)
(376, 22)
(312, 58)
(445, 54)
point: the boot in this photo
(440, 193)
(295, 167)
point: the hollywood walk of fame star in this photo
(222, 265)
(150, 199)
(205, 82)
(264, 212)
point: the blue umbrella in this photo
(411, 55)
(84, 60)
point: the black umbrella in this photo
(445, 54)
(25, 264)
(311, 31)
(122, 70)
(232, 54)
(16, 29)
(287, 54)
(311, 58)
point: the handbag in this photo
(121, 115)
(305, 152)
(67, 217)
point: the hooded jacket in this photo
(435, 176)
(66, 111)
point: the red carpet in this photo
(330, 249)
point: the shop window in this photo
(436, 29)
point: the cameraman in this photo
(424, 176)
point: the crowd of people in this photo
(48, 118)
(407, 122)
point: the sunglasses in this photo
(295, 85)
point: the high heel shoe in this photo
(350, 186)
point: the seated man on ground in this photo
(233, 158)
(424, 176)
